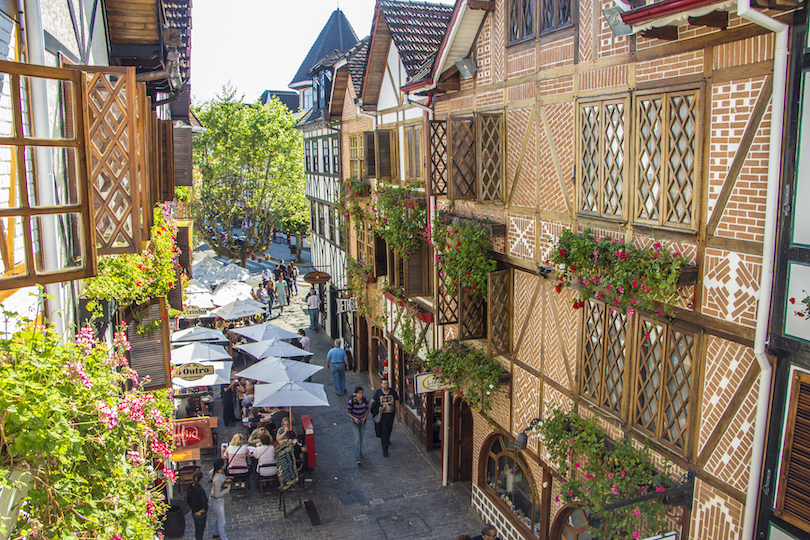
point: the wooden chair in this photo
(185, 476)
(266, 481)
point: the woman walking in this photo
(221, 487)
(281, 292)
(294, 278)
(198, 502)
(357, 409)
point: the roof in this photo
(337, 35)
(178, 21)
(286, 97)
(417, 29)
(356, 59)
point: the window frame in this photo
(522, 6)
(335, 155)
(414, 152)
(459, 165)
(357, 156)
(325, 156)
(315, 164)
(307, 156)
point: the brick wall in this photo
(517, 124)
(556, 54)
(522, 91)
(603, 78)
(609, 45)
(487, 99)
(520, 63)
(585, 18)
(560, 85)
(676, 65)
(560, 118)
(521, 237)
(715, 515)
(483, 53)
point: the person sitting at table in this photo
(236, 452)
(193, 407)
(284, 430)
(260, 430)
(247, 398)
(254, 419)
(265, 455)
(279, 415)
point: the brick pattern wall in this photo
(560, 335)
(561, 120)
(556, 54)
(501, 402)
(609, 45)
(481, 431)
(441, 109)
(521, 236)
(499, 39)
(526, 391)
(603, 78)
(348, 105)
(715, 515)
(522, 91)
(529, 352)
(487, 99)
(462, 104)
(517, 123)
(739, 53)
(548, 230)
(483, 53)
(676, 65)
(560, 85)
(520, 63)
(585, 18)
(731, 284)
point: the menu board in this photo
(285, 461)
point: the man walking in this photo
(339, 363)
(314, 305)
(388, 400)
(357, 409)
(487, 533)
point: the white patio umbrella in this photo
(195, 286)
(199, 352)
(238, 310)
(273, 347)
(290, 394)
(277, 370)
(198, 333)
(221, 375)
(203, 300)
(264, 332)
(231, 291)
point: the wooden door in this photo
(462, 451)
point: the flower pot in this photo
(175, 524)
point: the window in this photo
(342, 227)
(307, 156)
(521, 20)
(331, 213)
(476, 164)
(335, 156)
(508, 479)
(321, 225)
(313, 216)
(386, 157)
(667, 162)
(325, 150)
(791, 497)
(307, 99)
(414, 164)
(314, 156)
(602, 167)
(551, 14)
(652, 393)
(365, 243)
(554, 14)
(356, 157)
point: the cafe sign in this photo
(192, 371)
(428, 382)
(193, 433)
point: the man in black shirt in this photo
(198, 502)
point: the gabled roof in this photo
(350, 68)
(286, 97)
(356, 60)
(415, 28)
(337, 35)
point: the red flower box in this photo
(425, 316)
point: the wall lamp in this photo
(466, 67)
(522, 440)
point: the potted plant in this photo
(476, 375)
(401, 219)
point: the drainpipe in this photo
(768, 251)
(48, 233)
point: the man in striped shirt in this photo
(357, 410)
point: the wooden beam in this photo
(741, 155)
(667, 33)
(718, 327)
(448, 86)
(486, 5)
(556, 160)
(715, 19)
(733, 244)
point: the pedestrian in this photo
(357, 409)
(271, 297)
(267, 276)
(388, 399)
(221, 486)
(277, 272)
(304, 340)
(281, 292)
(314, 305)
(227, 401)
(487, 533)
(339, 363)
(198, 502)
(294, 277)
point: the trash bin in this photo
(175, 524)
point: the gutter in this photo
(768, 253)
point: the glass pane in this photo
(62, 187)
(6, 111)
(492, 472)
(60, 111)
(58, 242)
(496, 447)
(411, 399)
(522, 497)
(9, 184)
(801, 220)
(382, 359)
(12, 247)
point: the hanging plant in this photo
(357, 281)
(804, 311)
(476, 375)
(401, 218)
(596, 472)
(352, 196)
(463, 253)
(626, 277)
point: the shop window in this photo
(386, 155)
(476, 164)
(572, 524)
(380, 350)
(792, 500)
(508, 480)
(602, 170)
(414, 153)
(412, 400)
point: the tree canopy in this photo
(251, 165)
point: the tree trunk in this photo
(298, 247)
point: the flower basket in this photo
(494, 229)
(688, 275)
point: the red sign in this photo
(192, 433)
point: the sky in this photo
(258, 45)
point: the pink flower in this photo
(588, 476)
(623, 473)
(610, 475)
(655, 255)
(657, 245)
(636, 535)
(576, 465)
(630, 311)
(659, 489)
(586, 282)
(614, 489)
(637, 512)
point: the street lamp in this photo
(522, 440)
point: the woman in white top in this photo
(236, 455)
(265, 455)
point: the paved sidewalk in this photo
(402, 495)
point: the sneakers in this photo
(358, 463)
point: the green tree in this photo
(251, 164)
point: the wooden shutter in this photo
(385, 142)
(166, 160)
(490, 129)
(462, 158)
(182, 156)
(380, 256)
(150, 351)
(184, 244)
(417, 282)
(175, 294)
(793, 496)
(472, 320)
(499, 296)
(447, 303)
(369, 156)
(438, 157)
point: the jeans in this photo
(313, 319)
(219, 517)
(358, 439)
(199, 524)
(339, 377)
(387, 423)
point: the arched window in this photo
(571, 524)
(508, 478)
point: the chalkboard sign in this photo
(285, 461)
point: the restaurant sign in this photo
(428, 382)
(192, 371)
(193, 433)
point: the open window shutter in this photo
(184, 244)
(793, 497)
(438, 157)
(150, 351)
(182, 156)
(462, 158)
(499, 307)
(416, 269)
(472, 323)
(447, 303)
(175, 294)
(490, 128)
(386, 154)
(166, 160)
(369, 149)
(380, 256)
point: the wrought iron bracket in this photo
(679, 494)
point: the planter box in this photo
(504, 377)
(425, 316)
(390, 297)
(494, 229)
(688, 275)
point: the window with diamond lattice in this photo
(555, 14)
(604, 356)
(667, 158)
(521, 20)
(602, 172)
(490, 127)
(664, 382)
(476, 164)
(438, 157)
(499, 298)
